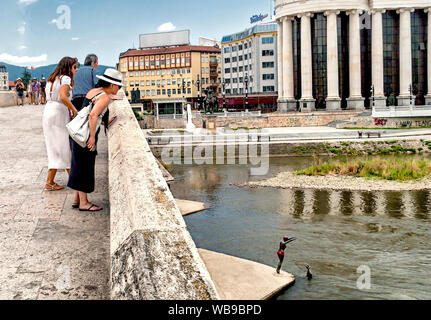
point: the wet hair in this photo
(64, 68)
(90, 59)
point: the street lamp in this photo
(372, 96)
(246, 90)
(224, 93)
(198, 86)
(183, 86)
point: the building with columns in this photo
(4, 78)
(352, 54)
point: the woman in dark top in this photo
(82, 178)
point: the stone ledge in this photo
(152, 253)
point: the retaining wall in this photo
(318, 118)
(153, 256)
(7, 98)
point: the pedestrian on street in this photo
(34, 91)
(55, 118)
(82, 175)
(85, 80)
(42, 91)
(19, 92)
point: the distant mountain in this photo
(45, 71)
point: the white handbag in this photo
(79, 129)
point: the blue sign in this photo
(257, 18)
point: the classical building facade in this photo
(352, 54)
(171, 76)
(250, 57)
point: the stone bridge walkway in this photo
(47, 250)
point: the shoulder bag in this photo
(79, 129)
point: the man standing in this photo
(19, 91)
(42, 91)
(34, 91)
(85, 80)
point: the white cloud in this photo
(23, 47)
(75, 39)
(22, 60)
(166, 27)
(53, 21)
(27, 2)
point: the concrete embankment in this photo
(152, 254)
(7, 98)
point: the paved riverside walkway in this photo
(47, 250)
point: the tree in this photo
(26, 77)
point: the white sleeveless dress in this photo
(55, 119)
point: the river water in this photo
(386, 233)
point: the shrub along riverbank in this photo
(397, 169)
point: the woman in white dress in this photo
(57, 113)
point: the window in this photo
(157, 63)
(240, 58)
(174, 91)
(240, 69)
(153, 92)
(158, 83)
(169, 82)
(267, 40)
(168, 61)
(163, 91)
(174, 82)
(169, 92)
(234, 48)
(234, 69)
(268, 88)
(234, 59)
(189, 90)
(147, 92)
(173, 71)
(158, 92)
(142, 83)
(267, 64)
(227, 50)
(227, 70)
(152, 63)
(188, 60)
(245, 45)
(132, 84)
(240, 47)
(148, 83)
(141, 63)
(269, 76)
(188, 70)
(245, 68)
(246, 57)
(234, 80)
(153, 82)
(226, 60)
(227, 81)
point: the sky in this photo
(41, 32)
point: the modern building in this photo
(351, 54)
(250, 57)
(4, 78)
(169, 77)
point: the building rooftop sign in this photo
(257, 18)
(164, 39)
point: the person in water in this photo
(280, 252)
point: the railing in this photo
(401, 111)
(171, 116)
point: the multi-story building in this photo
(4, 78)
(350, 54)
(250, 57)
(169, 77)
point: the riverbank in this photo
(290, 180)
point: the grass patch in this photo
(381, 168)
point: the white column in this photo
(333, 99)
(355, 100)
(377, 58)
(280, 59)
(428, 96)
(307, 101)
(288, 81)
(405, 56)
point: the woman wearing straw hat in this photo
(82, 178)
